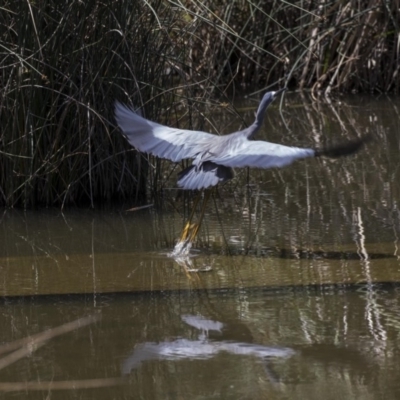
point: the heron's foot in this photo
(181, 250)
(184, 244)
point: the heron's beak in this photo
(278, 92)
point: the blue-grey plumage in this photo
(214, 156)
(205, 175)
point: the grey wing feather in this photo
(204, 175)
(159, 140)
(260, 154)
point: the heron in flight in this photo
(214, 157)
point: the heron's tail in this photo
(204, 175)
(343, 149)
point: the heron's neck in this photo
(265, 102)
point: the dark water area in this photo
(296, 293)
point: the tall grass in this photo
(321, 45)
(62, 65)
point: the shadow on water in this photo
(295, 291)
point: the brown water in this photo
(300, 299)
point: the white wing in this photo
(159, 140)
(260, 154)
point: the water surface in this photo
(300, 297)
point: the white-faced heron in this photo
(214, 157)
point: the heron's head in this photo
(269, 97)
(277, 93)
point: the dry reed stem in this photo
(62, 65)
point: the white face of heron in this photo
(274, 95)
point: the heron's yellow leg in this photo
(196, 227)
(191, 229)
(189, 225)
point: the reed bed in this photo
(64, 63)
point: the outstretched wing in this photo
(260, 154)
(159, 140)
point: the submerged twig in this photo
(30, 344)
(140, 208)
(61, 385)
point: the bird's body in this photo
(214, 157)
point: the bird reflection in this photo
(201, 349)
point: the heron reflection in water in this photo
(202, 348)
(214, 157)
